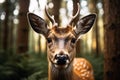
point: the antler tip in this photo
(74, 17)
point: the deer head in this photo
(61, 42)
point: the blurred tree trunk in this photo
(39, 45)
(23, 28)
(11, 37)
(93, 9)
(6, 6)
(1, 31)
(39, 38)
(75, 8)
(57, 4)
(1, 35)
(112, 40)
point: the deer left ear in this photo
(38, 24)
(85, 24)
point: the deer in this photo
(61, 46)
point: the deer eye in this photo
(49, 40)
(73, 40)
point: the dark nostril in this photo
(59, 56)
(61, 59)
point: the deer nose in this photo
(61, 59)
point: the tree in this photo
(112, 40)
(75, 8)
(57, 4)
(7, 27)
(23, 28)
(6, 6)
(93, 9)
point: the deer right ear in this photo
(37, 24)
(85, 24)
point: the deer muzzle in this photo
(61, 60)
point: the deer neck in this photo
(60, 74)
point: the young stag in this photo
(61, 46)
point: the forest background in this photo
(23, 52)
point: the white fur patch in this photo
(61, 43)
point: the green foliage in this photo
(97, 63)
(41, 66)
(23, 67)
(33, 66)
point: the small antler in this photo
(51, 18)
(75, 16)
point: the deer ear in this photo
(37, 24)
(85, 24)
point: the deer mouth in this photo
(61, 64)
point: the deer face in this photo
(61, 42)
(61, 46)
